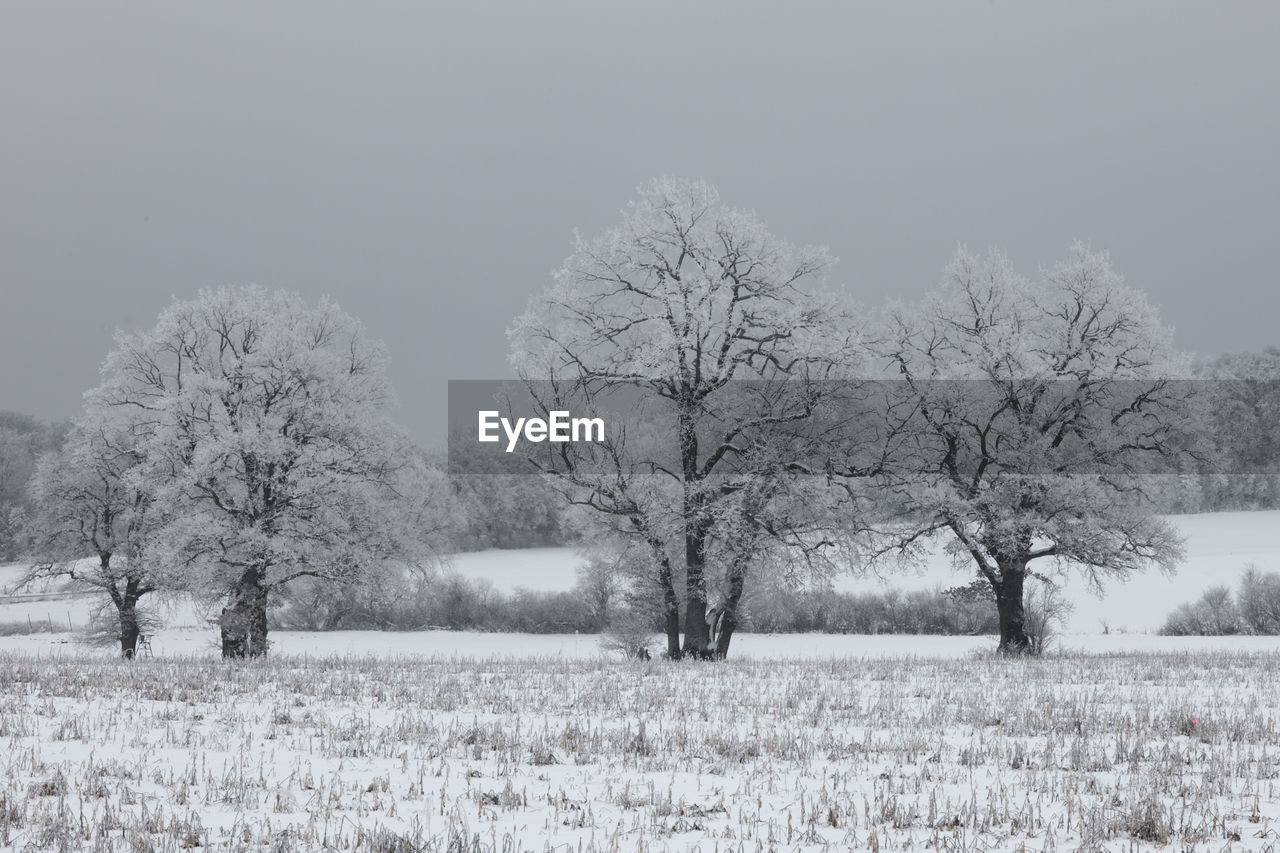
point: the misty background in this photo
(425, 164)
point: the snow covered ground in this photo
(1098, 752)
(193, 642)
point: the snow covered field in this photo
(1113, 752)
(361, 645)
(460, 741)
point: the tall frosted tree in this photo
(262, 428)
(1040, 408)
(722, 332)
(92, 516)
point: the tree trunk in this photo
(129, 633)
(127, 610)
(729, 616)
(697, 636)
(231, 624)
(666, 584)
(1009, 605)
(671, 609)
(697, 639)
(258, 624)
(243, 622)
(126, 603)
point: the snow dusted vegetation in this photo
(515, 752)
(443, 740)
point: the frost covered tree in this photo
(87, 502)
(720, 333)
(1258, 600)
(262, 429)
(1040, 408)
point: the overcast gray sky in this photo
(425, 163)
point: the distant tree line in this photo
(1244, 420)
(22, 440)
(507, 511)
(455, 602)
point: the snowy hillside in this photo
(531, 568)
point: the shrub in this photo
(1214, 614)
(888, 612)
(1045, 610)
(631, 633)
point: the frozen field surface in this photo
(1132, 751)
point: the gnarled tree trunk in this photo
(697, 635)
(231, 625)
(258, 624)
(129, 633)
(243, 622)
(670, 608)
(125, 598)
(127, 611)
(1010, 606)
